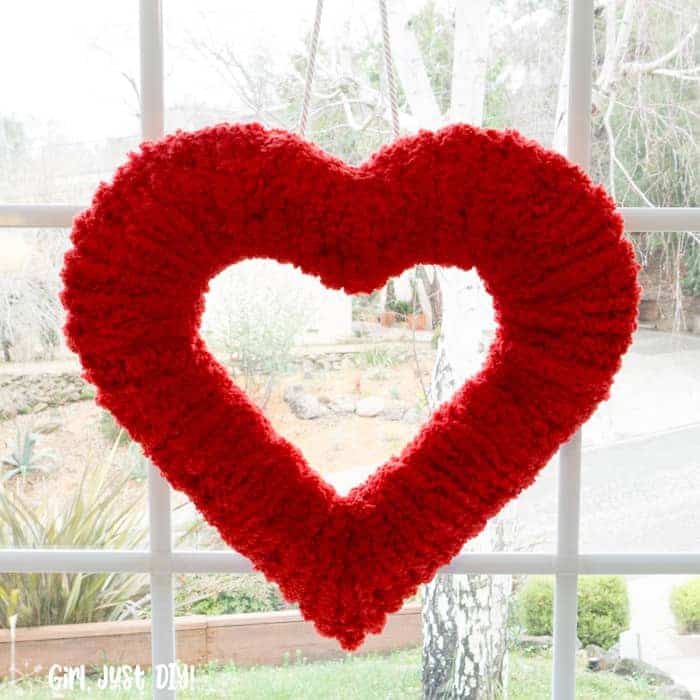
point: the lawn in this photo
(392, 677)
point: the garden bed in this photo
(249, 639)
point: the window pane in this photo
(646, 102)
(67, 467)
(630, 641)
(641, 482)
(70, 97)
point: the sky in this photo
(63, 62)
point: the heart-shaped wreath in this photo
(546, 241)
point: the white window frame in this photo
(566, 563)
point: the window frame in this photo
(161, 562)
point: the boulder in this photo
(641, 669)
(370, 407)
(599, 659)
(302, 404)
(529, 641)
(342, 405)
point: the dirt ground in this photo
(330, 444)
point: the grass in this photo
(530, 679)
(392, 677)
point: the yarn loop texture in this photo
(547, 243)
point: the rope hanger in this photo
(388, 69)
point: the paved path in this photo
(651, 618)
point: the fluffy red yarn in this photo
(546, 241)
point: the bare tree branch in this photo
(650, 66)
(411, 68)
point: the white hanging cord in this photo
(310, 69)
(389, 70)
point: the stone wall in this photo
(34, 386)
(35, 391)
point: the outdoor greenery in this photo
(377, 356)
(25, 458)
(603, 608)
(94, 515)
(257, 316)
(226, 593)
(685, 605)
(396, 676)
(111, 430)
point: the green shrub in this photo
(535, 605)
(257, 311)
(685, 605)
(95, 515)
(401, 307)
(603, 608)
(225, 594)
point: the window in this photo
(51, 212)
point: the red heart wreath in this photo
(547, 243)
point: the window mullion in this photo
(152, 127)
(578, 149)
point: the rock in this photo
(528, 641)
(36, 391)
(302, 404)
(641, 669)
(599, 659)
(342, 405)
(395, 410)
(675, 691)
(370, 407)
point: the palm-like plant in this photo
(25, 458)
(96, 516)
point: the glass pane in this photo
(70, 97)
(632, 645)
(641, 482)
(645, 103)
(235, 63)
(71, 477)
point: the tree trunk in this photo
(465, 619)
(465, 616)
(431, 284)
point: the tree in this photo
(646, 95)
